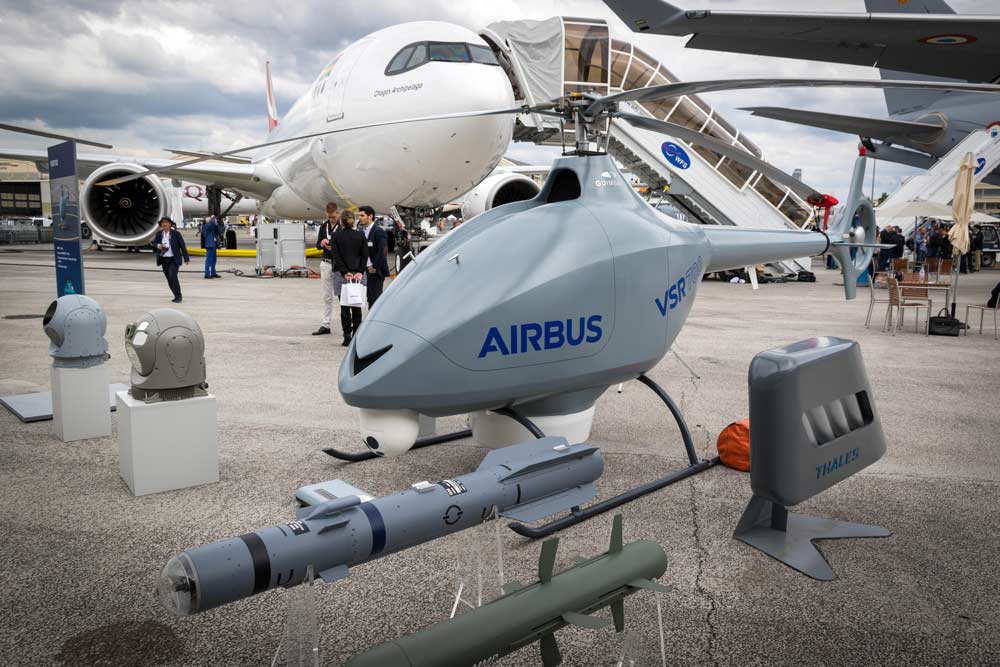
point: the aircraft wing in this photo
(872, 128)
(238, 177)
(959, 46)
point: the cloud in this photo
(145, 74)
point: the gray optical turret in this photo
(167, 351)
(75, 325)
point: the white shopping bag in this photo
(352, 294)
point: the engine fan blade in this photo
(244, 149)
(732, 152)
(668, 90)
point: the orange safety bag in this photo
(734, 445)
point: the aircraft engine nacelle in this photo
(497, 190)
(124, 214)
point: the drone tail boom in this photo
(737, 247)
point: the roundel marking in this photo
(948, 40)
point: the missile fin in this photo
(585, 621)
(332, 526)
(522, 453)
(512, 587)
(333, 574)
(327, 508)
(550, 651)
(649, 585)
(557, 458)
(618, 614)
(547, 560)
(616, 535)
(557, 502)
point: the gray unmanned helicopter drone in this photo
(535, 308)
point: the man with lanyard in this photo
(378, 250)
(330, 280)
(211, 239)
(170, 250)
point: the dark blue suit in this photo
(378, 247)
(210, 233)
(171, 265)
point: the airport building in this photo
(24, 191)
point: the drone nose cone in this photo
(388, 367)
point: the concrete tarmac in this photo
(80, 555)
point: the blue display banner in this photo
(65, 193)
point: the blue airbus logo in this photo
(980, 165)
(538, 336)
(675, 155)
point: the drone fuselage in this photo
(543, 304)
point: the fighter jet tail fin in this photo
(618, 614)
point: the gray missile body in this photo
(524, 482)
(529, 614)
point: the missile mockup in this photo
(525, 482)
(526, 614)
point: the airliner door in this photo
(339, 72)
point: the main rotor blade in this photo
(696, 87)
(732, 152)
(236, 160)
(50, 135)
(244, 149)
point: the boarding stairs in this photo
(936, 186)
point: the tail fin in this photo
(272, 111)
(845, 236)
(898, 100)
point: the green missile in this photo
(532, 613)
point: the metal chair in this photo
(982, 313)
(898, 302)
(874, 296)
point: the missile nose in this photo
(177, 586)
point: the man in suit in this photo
(378, 251)
(330, 280)
(170, 251)
(210, 236)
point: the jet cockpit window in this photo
(449, 53)
(415, 55)
(482, 54)
(398, 63)
(419, 56)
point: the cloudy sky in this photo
(147, 74)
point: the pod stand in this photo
(788, 537)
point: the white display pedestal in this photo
(494, 430)
(80, 402)
(167, 445)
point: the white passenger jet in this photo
(406, 71)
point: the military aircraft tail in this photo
(900, 101)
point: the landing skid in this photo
(422, 442)
(578, 515)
